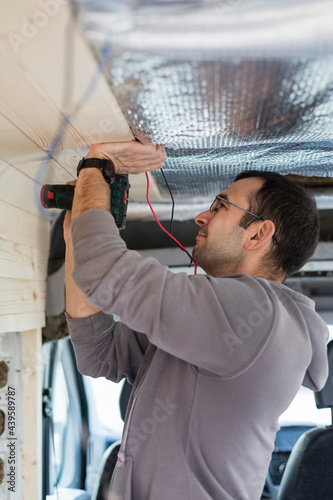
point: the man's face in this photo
(219, 244)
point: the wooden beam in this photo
(31, 414)
(19, 322)
(22, 262)
(21, 296)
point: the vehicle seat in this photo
(309, 470)
(110, 456)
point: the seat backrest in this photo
(108, 463)
(309, 471)
(324, 398)
(110, 456)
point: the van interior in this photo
(225, 86)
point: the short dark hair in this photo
(294, 213)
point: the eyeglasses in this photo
(215, 203)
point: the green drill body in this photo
(61, 196)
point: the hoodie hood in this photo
(317, 371)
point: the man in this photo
(214, 359)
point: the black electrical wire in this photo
(173, 201)
(167, 232)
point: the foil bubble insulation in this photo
(260, 102)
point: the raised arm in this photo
(93, 192)
(77, 305)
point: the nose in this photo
(203, 218)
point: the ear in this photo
(259, 234)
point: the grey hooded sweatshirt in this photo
(214, 363)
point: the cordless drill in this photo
(61, 196)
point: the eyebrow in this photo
(237, 206)
(225, 197)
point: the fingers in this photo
(109, 149)
(130, 157)
(155, 154)
(149, 153)
(161, 151)
(156, 151)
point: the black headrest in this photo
(324, 398)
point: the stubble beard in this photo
(220, 260)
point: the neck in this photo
(257, 271)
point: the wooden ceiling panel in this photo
(55, 101)
(17, 149)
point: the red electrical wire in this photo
(167, 232)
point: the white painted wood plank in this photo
(22, 262)
(32, 94)
(21, 227)
(32, 416)
(30, 111)
(19, 190)
(3, 165)
(65, 71)
(19, 150)
(21, 296)
(19, 322)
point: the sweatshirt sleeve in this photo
(218, 324)
(106, 348)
